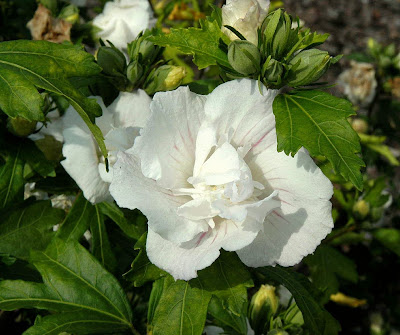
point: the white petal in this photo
(304, 219)
(122, 20)
(249, 117)
(183, 261)
(167, 143)
(81, 163)
(131, 109)
(132, 190)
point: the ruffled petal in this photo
(167, 143)
(184, 260)
(304, 219)
(132, 190)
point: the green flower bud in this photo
(277, 332)
(165, 78)
(272, 72)
(307, 67)
(361, 209)
(360, 126)
(134, 72)
(278, 35)
(263, 306)
(111, 60)
(244, 57)
(20, 126)
(70, 14)
(143, 50)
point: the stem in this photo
(134, 331)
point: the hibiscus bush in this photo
(182, 167)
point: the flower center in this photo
(222, 187)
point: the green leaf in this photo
(74, 281)
(228, 279)
(115, 214)
(27, 65)
(317, 320)
(326, 265)
(203, 44)
(12, 178)
(182, 310)
(155, 296)
(31, 154)
(76, 322)
(32, 224)
(143, 270)
(317, 121)
(101, 247)
(224, 318)
(77, 220)
(390, 238)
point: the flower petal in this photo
(304, 219)
(184, 260)
(131, 109)
(167, 143)
(132, 190)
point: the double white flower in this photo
(246, 16)
(122, 20)
(206, 173)
(119, 124)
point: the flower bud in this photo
(263, 306)
(272, 72)
(361, 209)
(134, 72)
(111, 60)
(308, 67)
(143, 50)
(360, 125)
(70, 14)
(244, 57)
(277, 332)
(20, 126)
(165, 78)
(278, 34)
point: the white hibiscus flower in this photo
(123, 20)
(246, 16)
(206, 173)
(119, 124)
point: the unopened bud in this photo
(360, 126)
(244, 57)
(308, 67)
(20, 126)
(277, 332)
(70, 14)
(272, 72)
(111, 60)
(143, 50)
(361, 209)
(263, 306)
(134, 72)
(165, 78)
(278, 34)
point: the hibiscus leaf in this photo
(73, 281)
(76, 322)
(101, 247)
(143, 270)
(317, 121)
(224, 318)
(11, 177)
(36, 159)
(112, 211)
(28, 65)
(182, 309)
(77, 220)
(326, 265)
(317, 319)
(203, 43)
(30, 223)
(231, 287)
